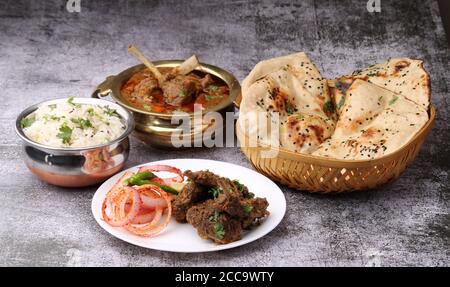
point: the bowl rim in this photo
(114, 83)
(343, 163)
(126, 115)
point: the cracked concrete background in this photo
(46, 52)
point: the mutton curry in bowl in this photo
(157, 96)
(178, 93)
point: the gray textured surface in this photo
(46, 53)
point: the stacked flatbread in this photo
(288, 97)
(371, 113)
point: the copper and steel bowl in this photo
(156, 129)
(68, 166)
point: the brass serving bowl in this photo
(156, 129)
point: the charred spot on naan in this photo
(364, 149)
(304, 133)
(281, 102)
(369, 133)
(398, 67)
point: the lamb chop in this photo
(219, 208)
(188, 197)
(214, 224)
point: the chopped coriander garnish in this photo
(65, 133)
(215, 191)
(393, 100)
(101, 157)
(219, 230)
(239, 185)
(52, 107)
(215, 218)
(341, 103)
(70, 101)
(182, 94)
(147, 107)
(248, 208)
(26, 122)
(299, 117)
(213, 88)
(328, 107)
(209, 98)
(90, 111)
(289, 109)
(82, 123)
(110, 112)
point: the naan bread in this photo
(305, 132)
(373, 122)
(292, 88)
(400, 75)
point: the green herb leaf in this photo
(52, 107)
(215, 191)
(328, 107)
(182, 94)
(147, 107)
(101, 157)
(111, 112)
(209, 97)
(90, 111)
(70, 101)
(213, 88)
(289, 109)
(239, 185)
(216, 217)
(341, 102)
(65, 133)
(26, 122)
(219, 230)
(248, 208)
(299, 117)
(82, 123)
(393, 100)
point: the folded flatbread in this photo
(400, 75)
(363, 116)
(287, 97)
(373, 122)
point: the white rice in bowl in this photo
(69, 124)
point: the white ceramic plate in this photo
(178, 237)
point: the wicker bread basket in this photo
(322, 175)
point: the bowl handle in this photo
(237, 101)
(104, 89)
